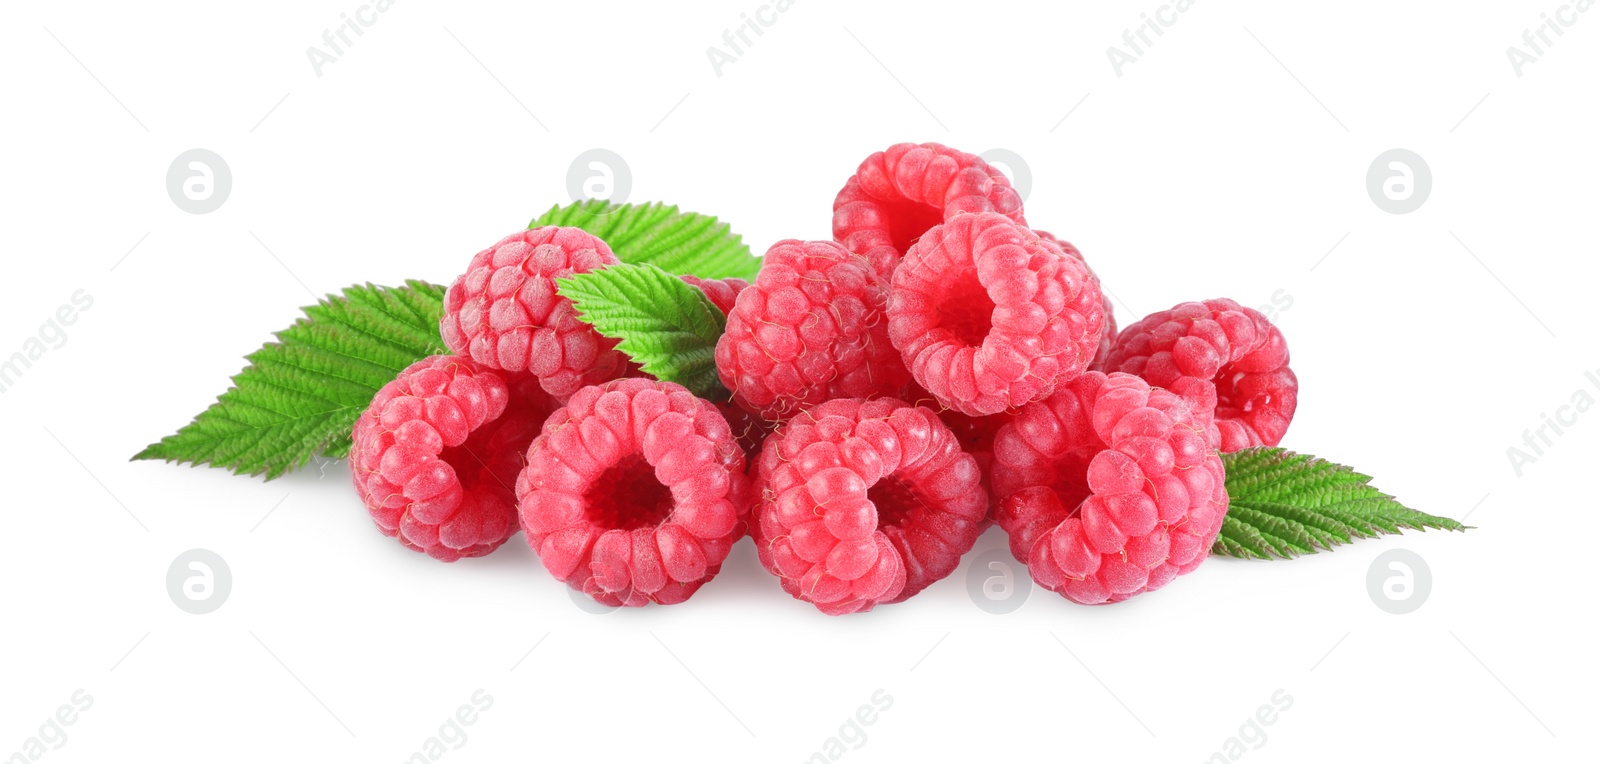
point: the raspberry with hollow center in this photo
(504, 312)
(1109, 488)
(990, 316)
(634, 492)
(435, 455)
(898, 194)
(810, 329)
(865, 502)
(1108, 329)
(1218, 353)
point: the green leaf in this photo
(301, 395)
(665, 325)
(657, 234)
(1282, 504)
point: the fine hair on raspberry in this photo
(436, 454)
(504, 312)
(896, 195)
(989, 316)
(1108, 488)
(865, 502)
(811, 328)
(1222, 355)
(634, 492)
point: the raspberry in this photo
(1108, 330)
(811, 328)
(865, 503)
(989, 316)
(435, 455)
(1221, 353)
(504, 311)
(1109, 487)
(634, 492)
(898, 194)
(721, 292)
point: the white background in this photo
(1229, 160)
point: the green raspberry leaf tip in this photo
(1283, 504)
(665, 325)
(300, 396)
(682, 243)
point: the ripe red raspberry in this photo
(721, 292)
(634, 492)
(1109, 488)
(865, 503)
(811, 328)
(1219, 352)
(898, 194)
(989, 316)
(504, 311)
(435, 455)
(1108, 329)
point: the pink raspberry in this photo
(1108, 329)
(1218, 353)
(634, 492)
(721, 292)
(435, 455)
(865, 503)
(897, 195)
(1109, 487)
(504, 311)
(811, 328)
(989, 316)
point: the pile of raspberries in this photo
(938, 367)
